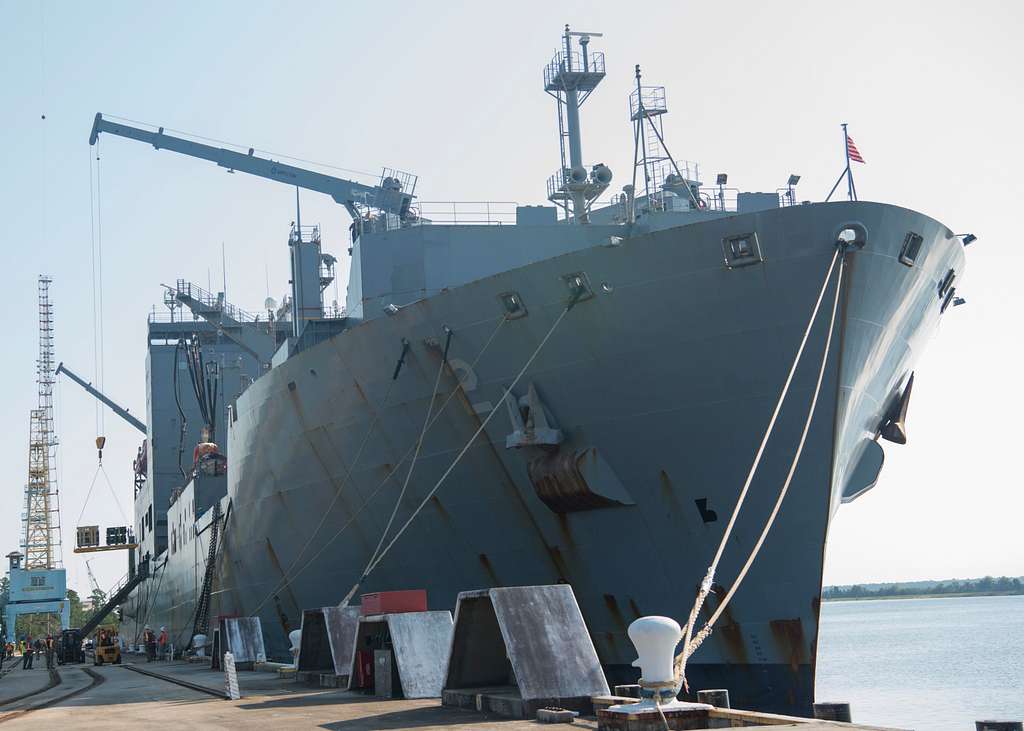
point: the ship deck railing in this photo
(476, 213)
(216, 301)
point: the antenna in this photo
(662, 173)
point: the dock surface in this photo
(115, 697)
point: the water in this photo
(924, 664)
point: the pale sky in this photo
(452, 92)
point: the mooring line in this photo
(390, 474)
(691, 643)
(217, 693)
(458, 458)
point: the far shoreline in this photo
(888, 597)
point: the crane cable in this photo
(580, 291)
(100, 470)
(690, 644)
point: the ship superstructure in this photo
(593, 377)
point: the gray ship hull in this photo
(669, 373)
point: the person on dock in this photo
(150, 641)
(49, 652)
(163, 643)
(26, 655)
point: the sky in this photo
(452, 91)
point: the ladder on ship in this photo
(202, 621)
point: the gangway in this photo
(117, 596)
(237, 324)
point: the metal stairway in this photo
(118, 595)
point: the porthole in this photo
(911, 248)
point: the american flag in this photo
(852, 151)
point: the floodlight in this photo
(793, 180)
(723, 178)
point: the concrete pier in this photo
(129, 700)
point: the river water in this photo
(924, 664)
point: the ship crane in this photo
(393, 194)
(386, 205)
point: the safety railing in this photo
(334, 311)
(720, 199)
(572, 63)
(214, 301)
(476, 213)
(307, 234)
(651, 98)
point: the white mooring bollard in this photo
(655, 639)
(295, 637)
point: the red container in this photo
(394, 602)
(364, 669)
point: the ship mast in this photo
(42, 537)
(570, 77)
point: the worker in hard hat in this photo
(149, 639)
(27, 652)
(162, 641)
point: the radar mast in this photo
(570, 77)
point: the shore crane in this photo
(92, 577)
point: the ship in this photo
(574, 396)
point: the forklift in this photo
(108, 647)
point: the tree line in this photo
(986, 585)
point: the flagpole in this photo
(851, 191)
